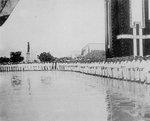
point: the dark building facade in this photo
(146, 30)
(120, 39)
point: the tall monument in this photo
(28, 53)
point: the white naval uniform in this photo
(143, 72)
(137, 70)
(132, 66)
(128, 70)
(147, 71)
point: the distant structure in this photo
(92, 47)
(28, 53)
(127, 33)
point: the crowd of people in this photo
(136, 69)
(128, 68)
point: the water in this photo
(70, 96)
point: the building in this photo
(92, 47)
(127, 33)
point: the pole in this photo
(141, 43)
(134, 42)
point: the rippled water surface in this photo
(70, 96)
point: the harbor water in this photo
(71, 96)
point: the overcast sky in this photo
(58, 26)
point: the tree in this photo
(46, 57)
(15, 57)
(95, 56)
(4, 60)
(65, 59)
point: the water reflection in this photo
(29, 85)
(16, 81)
(46, 80)
(49, 96)
(66, 96)
(127, 101)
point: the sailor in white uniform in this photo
(136, 67)
(146, 71)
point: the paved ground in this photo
(63, 96)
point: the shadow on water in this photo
(127, 101)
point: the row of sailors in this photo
(136, 70)
(27, 67)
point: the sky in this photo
(56, 26)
